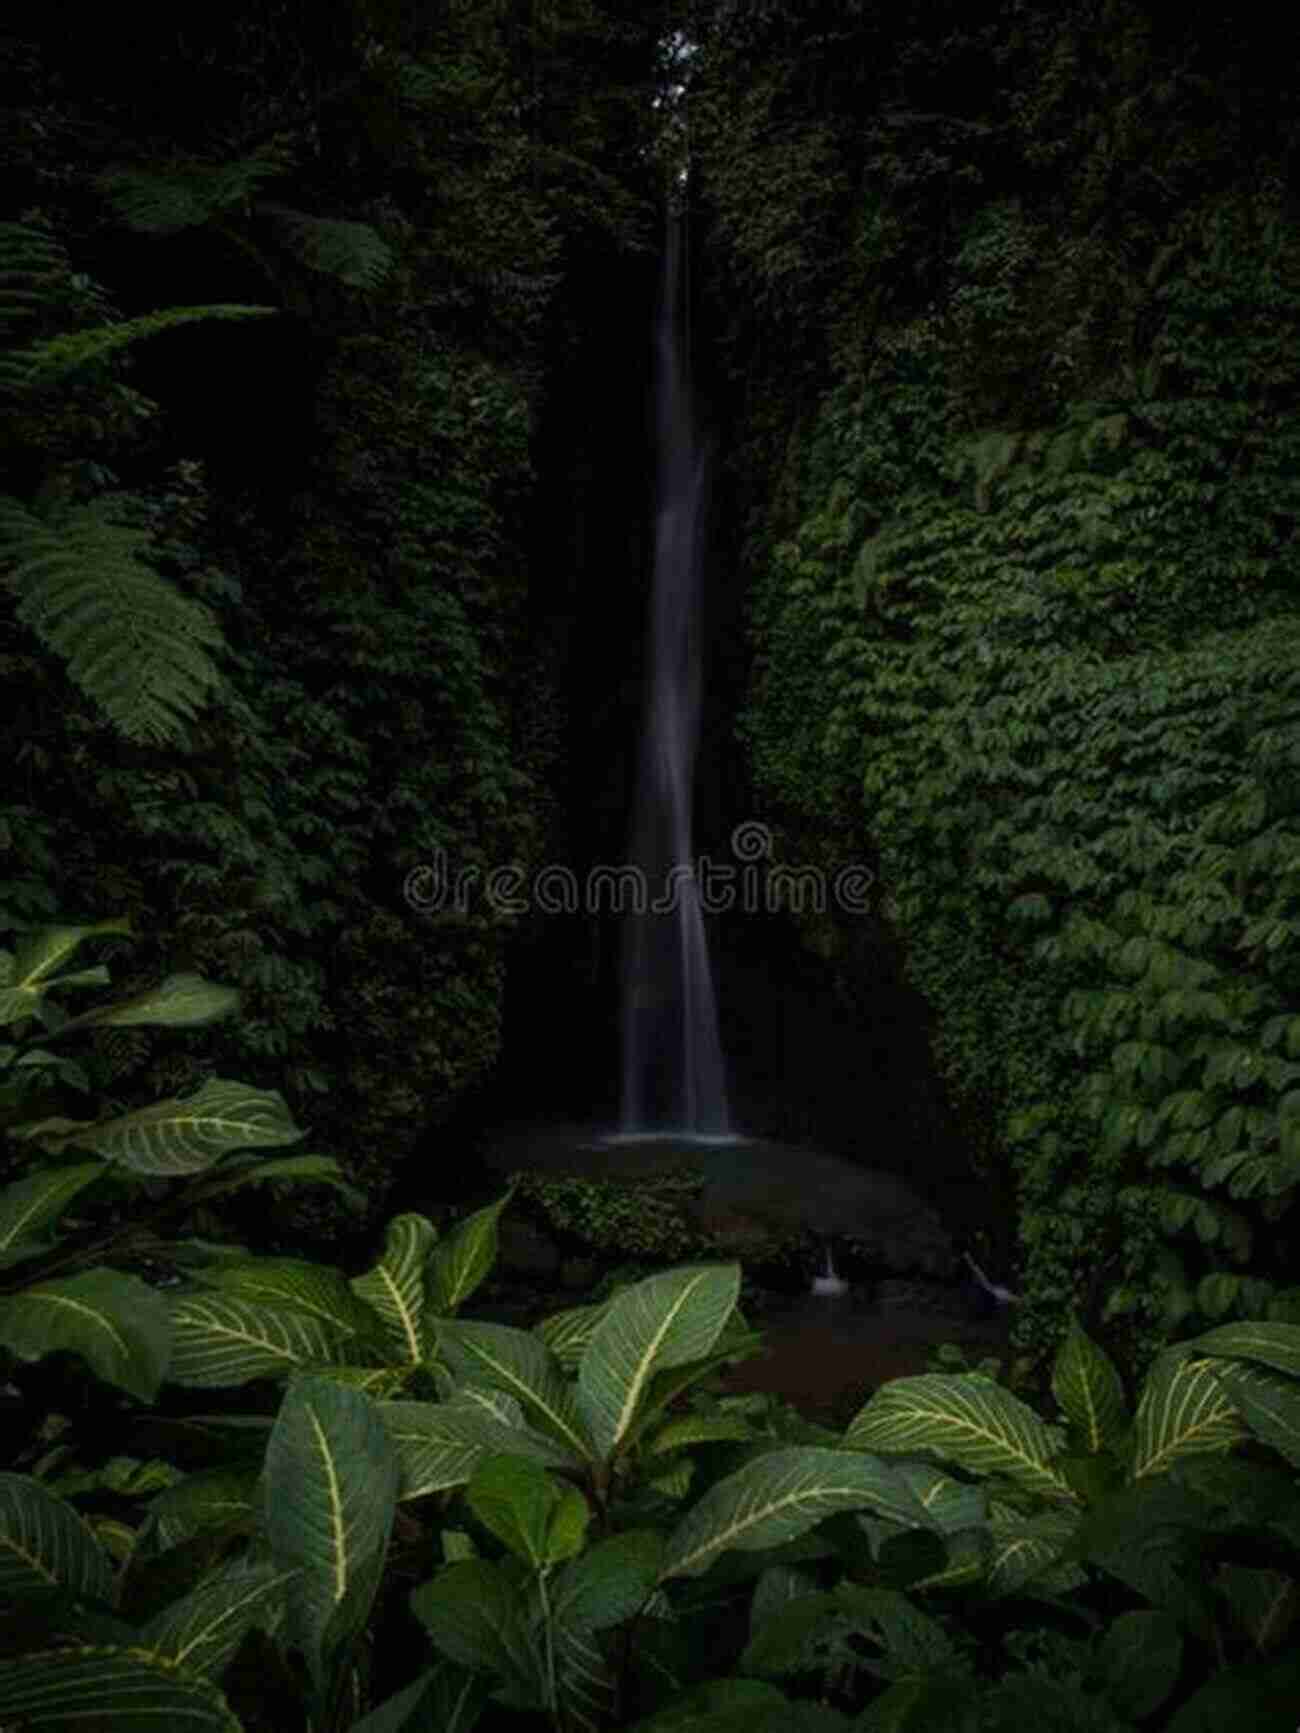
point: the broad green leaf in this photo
(395, 1288)
(459, 1263)
(586, 1686)
(1025, 1548)
(295, 1285)
(781, 1495)
(515, 1500)
(237, 1172)
(219, 1340)
(183, 1135)
(1183, 1411)
(567, 1333)
(108, 1690)
(475, 1616)
(1088, 1388)
(29, 972)
(691, 1429)
(117, 1323)
(432, 1455)
(788, 1640)
(666, 1387)
(969, 1553)
(213, 1498)
(661, 1323)
(440, 1444)
(517, 1362)
(45, 1544)
(951, 1505)
(568, 1526)
(330, 1491)
(1275, 1345)
(33, 1203)
(1269, 1405)
(181, 1001)
(611, 1582)
(1139, 1660)
(201, 1631)
(970, 1421)
(383, 1382)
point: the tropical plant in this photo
(552, 1465)
(79, 571)
(64, 1293)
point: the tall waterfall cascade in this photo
(674, 1077)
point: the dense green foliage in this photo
(589, 1534)
(290, 570)
(1020, 372)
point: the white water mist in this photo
(674, 1078)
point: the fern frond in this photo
(40, 363)
(352, 252)
(36, 276)
(133, 643)
(188, 191)
(32, 264)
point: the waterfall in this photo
(674, 1079)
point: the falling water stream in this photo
(674, 1078)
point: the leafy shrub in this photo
(609, 1536)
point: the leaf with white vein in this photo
(395, 1287)
(440, 1444)
(567, 1333)
(201, 1631)
(108, 1690)
(1269, 1405)
(117, 1323)
(330, 1491)
(969, 1421)
(213, 1498)
(1275, 1345)
(296, 1285)
(181, 1001)
(182, 1135)
(1027, 1547)
(780, 1496)
(29, 972)
(951, 1505)
(1088, 1388)
(220, 1340)
(34, 1203)
(517, 1362)
(1183, 1411)
(664, 1322)
(475, 1615)
(45, 1544)
(460, 1262)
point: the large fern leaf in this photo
(34, 271)
(353, 252)
(187, 192)
(132, 642)
(41, 363)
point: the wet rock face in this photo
(757, 1197)
(792, 1190)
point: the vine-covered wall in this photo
(310, 528)
(1011, 305)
